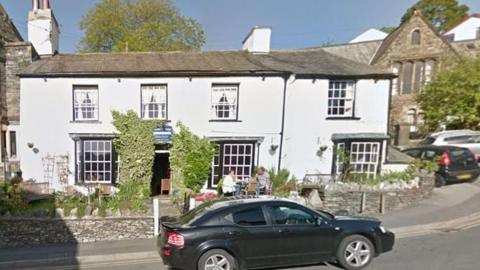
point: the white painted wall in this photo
(466, 30)
(46, 113)
(307, 128)
(43, 31)
(46, 116)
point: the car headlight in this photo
(382, 229)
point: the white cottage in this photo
(275, 108)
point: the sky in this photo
(295, 23)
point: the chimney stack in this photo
(43, 30)
(258, 40)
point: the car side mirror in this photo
(319, 221)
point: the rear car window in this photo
(247, 217)
(196, 213)
(427, 141)
(459, 139)
(413, 152)
(461, 155)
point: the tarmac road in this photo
(446, 251)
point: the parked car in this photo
(463, 138)
(266, 233)
(456, 164)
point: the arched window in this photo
(411, 115)
(416, 37)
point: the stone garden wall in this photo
(16, 232)
(358, 199)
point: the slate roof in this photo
(312, 62)
(361, 52)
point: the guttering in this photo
(149, 74)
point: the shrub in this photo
(190, 158)
(282, 183)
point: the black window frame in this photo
(79, 164)
(220, 149)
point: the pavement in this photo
(453, 208)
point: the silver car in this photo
(463, 138)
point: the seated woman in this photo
(229, 183)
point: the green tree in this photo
(191, 158)
(139, 25)
(388, 29)
(442, 14)
(453, 97)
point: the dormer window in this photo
(416, 37)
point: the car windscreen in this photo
(427, 141)
(461, 156)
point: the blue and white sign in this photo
(163, 134)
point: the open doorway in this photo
(161, 175)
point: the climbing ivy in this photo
(135, 145)
(191, 158)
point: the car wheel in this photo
(440, 181)
(355, 252)
(216, 259)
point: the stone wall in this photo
(18, 56)
(16, 232)
(374, 201)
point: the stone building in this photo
(10, 38)
(414, 51)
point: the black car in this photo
(252, 233)
(456, 164)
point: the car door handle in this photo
(233, 233)
(283, 230)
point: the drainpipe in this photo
(282, 131)
(390, 89)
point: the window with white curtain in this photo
(224, 102)
(85, 103)
(154, 102)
